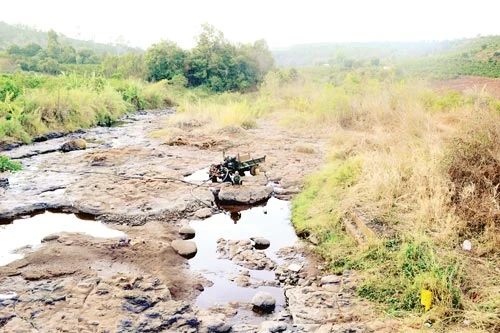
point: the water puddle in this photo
(28, 233)
(271, 221)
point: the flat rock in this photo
(263, 301)
(294, 268)
(244, 194)
(203, 213)
(187, 232)
(315, 305)
(330, 279)
(184, 248)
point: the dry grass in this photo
(428, 174)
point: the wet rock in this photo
(273, 326)
(244, 194)
(50, 238)
(260, 243)
(48, 136)
(263, 301)
(203, 213)
(76, 144)
(187, 232)
(243, 254)
(184, 248)
(4, 182)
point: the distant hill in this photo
(22, 35)
(438, 59)
(317, 54)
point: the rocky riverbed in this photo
(135, 183)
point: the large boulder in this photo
(244, 194)
(263, 302)
(76, 144)
(185, 248)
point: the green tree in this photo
(132, 65)
(164, 60)
(54, 49)
(222, 66)
(50, 66)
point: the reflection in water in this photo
(29, 232)
(271, 221)
(235, 216)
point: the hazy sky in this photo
(281, 23)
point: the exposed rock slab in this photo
(244, 194)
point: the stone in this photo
(467, 245)
(260, 243)
(273, 326)
(185, 248)
(49, 238)
(217, 325)
(330, 279)
(187, 232)
(76, 144)
(242, 253)
(263, 301)
(244, 194)
(294, 268)
(203, 213)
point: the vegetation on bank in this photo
(86, 89)
(32, 105)
(423, 167)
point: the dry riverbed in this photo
(135, 183)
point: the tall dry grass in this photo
(426, 174)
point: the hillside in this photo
(22, 35)
(437, 59)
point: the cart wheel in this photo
(237, 180)
(255, 170)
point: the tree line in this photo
(214, 63)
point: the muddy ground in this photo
(134, 182)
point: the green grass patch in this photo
(7, 165)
